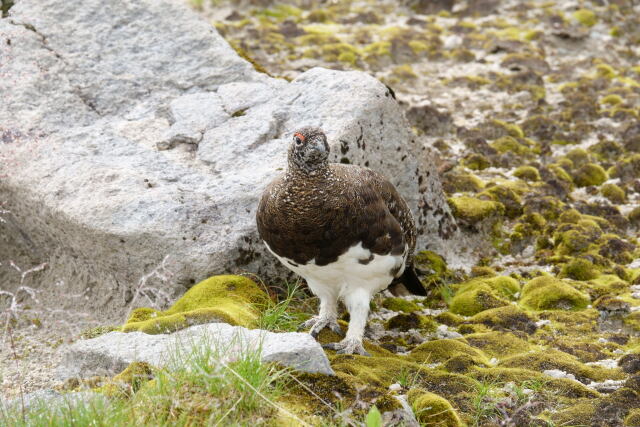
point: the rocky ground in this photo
(531, 111)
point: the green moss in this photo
(590, 174)
(340, 52)
(244, 55)
(633, 321)
(472, 210)
(404, 72)
(431, 409)
(507, 197)
(405, 322)
(399, 304)
(438, 351)
(449, 319)
(560, 173)
(510, 317)
(580, 269)
(605, 70)
(634, 217)
(231, 299)
(578, 157)
(508, 143)
(482, 294)
(418, 46)
(549, 293)
(611, 99)
(580, 414)
(97, 331)
(586, 17)
(627, 169)
(510, 129)
(613, 192)
(633, 418)
(497, 344)
(527, 173)
(377, 50)
(482, 271)
(548, 358)
(476, 161)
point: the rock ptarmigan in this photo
(343, 228)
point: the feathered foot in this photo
(348, 346)
(318, 323)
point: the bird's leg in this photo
(357, 302)
(328, 315)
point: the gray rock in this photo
(134, 132)
(111, 353)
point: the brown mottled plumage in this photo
(343, 220)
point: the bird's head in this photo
(309, 150)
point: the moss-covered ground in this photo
(531, 116)
(531, 112)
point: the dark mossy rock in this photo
(497, 344)
(631, 136)
(547, 359)
(541, 128)
(449, 319)
(430, 120)
(476, 161)
(607, 150)
(630, 363)
(617, 250)
(457, 182)
(505, 195)
(462, 363)
(405, 322)
(627, 169)
(546, 206)
(507, 318)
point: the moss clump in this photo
(611, 99)
(580, 269)
(340, 52)
(404, 72)
(244, 55)
(97, 331)
(439, 351)
(507, 318)
(549, 293)
(627, 169)
(527, 173)
(507, 197)
(455, 182)
(481, 270)
(399, 304)
(634, 217)
(482, 294)
(614, 193)
(231, 299)
(405, 322)
(589, 174)
(431, 409)
(586, 17)
(509, 143)
(476, 161)
(554, 359)
(472, 210)
(633, 419)
(497, 344)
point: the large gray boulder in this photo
(130, 131)
(111, 353)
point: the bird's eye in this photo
(298, 140)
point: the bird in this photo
(344, 228)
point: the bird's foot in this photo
(318, 323)
(348, 346)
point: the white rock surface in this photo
(134, 131)
(111, 353)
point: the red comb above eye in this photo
(299, 135)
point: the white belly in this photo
(347, 272)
